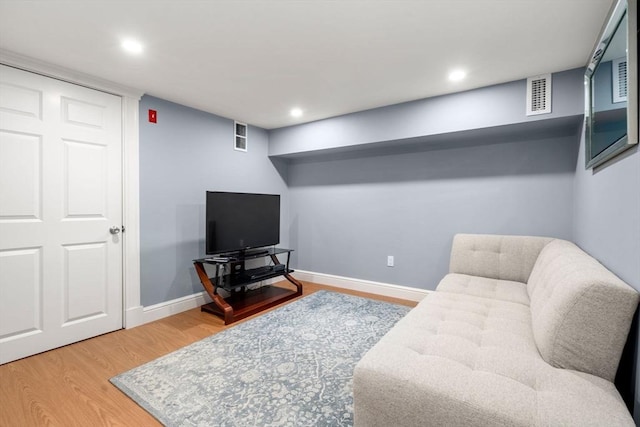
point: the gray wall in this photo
(607, 223)
(186, 153)
(349, 214)
(607, 213)
(351, 209)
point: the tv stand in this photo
(242, 302)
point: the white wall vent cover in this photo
(240, 140)
(539, 95)
(619, 79)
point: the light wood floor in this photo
(70, 386)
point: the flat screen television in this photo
(237, 222)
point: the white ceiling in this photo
(254, 60)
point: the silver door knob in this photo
(114, 230)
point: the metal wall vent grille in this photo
(240, 140)
(539, 95)
(619, 76)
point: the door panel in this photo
(22, 307)
(85, 166)
(86, 263)
(20, 182)
(21, 100)
(60, 192)
(77, 112)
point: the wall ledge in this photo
(557, 127)
(443, 119)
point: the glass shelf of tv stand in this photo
(250, 254)
(246, 302)
(230, 282)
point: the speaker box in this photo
(236, 271)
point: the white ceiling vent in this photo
(619, 76)
(240, 140)
(539, 95)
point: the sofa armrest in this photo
(580, 311)
(495, 256)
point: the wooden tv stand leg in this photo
(226, 311)
(287, 276)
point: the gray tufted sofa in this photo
(523, 331)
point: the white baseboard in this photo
(377, 288)
(140, 315)
(133, 317)
(175, 306)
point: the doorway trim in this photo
(132, 313)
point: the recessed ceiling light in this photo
(132, 46)
(457, 75)
(296, 112)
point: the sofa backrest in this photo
(581, 312)
(495, 256)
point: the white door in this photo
(60, 193)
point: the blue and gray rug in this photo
(290, 367)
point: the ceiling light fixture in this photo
(457, 75)
(296, 112)
(132, 46)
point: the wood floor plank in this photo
(70, 386)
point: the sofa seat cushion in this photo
(504, 290)
(457, 359)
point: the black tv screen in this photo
(240, 221)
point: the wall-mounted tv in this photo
(238, 222)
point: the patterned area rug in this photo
(290, 367)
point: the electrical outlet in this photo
(390, 261)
